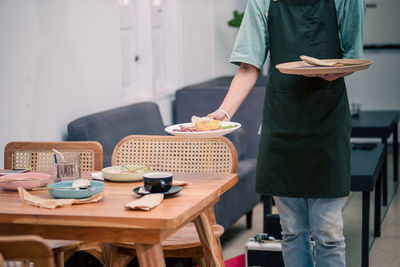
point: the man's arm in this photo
(241, 86)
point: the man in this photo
(304, 150)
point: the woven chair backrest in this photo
(38, 156)
(177, 154)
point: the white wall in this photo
(379, 86)
(197, 40)
(224, 36)
(207, 39)
(58, 60)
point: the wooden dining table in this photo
(109, 221)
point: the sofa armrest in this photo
(238, 138)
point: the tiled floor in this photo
(385, 250)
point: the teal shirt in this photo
(252, 41)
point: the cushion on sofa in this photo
(241, 198)
(110, 126)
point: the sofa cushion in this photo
(241, 198)
(110, 126)
(238, 139)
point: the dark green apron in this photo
(305, 136)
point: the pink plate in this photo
(26, 180)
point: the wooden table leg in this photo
(267, 201)
(118, 259)
(395, 154)
(384, 178)
(377, 216)
(150, 255)
(211, 248)
(365, 230)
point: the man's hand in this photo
(218, 115)
(331, 76)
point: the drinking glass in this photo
(355, 107)
(67, 166)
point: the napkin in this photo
(30, 199)
(146, 203)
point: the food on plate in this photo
(185, 128)
(206, 124)
(229, 126)
(200, 124)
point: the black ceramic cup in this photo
(157, 182)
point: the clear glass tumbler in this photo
(67, 166)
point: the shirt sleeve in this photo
(252, 43)
(351, 15)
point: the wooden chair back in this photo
(26, 248)
(39, 155)
(177, 154)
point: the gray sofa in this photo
(203, 98)
(110, 126)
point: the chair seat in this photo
(184, 238)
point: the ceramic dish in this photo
(72, 193)
(172, 191)
(24, 180)
(121, 174)
(203, 134)
(302, 68)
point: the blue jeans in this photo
(316, 218)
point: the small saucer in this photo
(172, 191)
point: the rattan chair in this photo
(26, 248)
(38, 156)
(175, 154)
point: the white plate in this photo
(115, 173)
(203, 134)
(26, 180)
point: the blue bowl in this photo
(72, 193)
